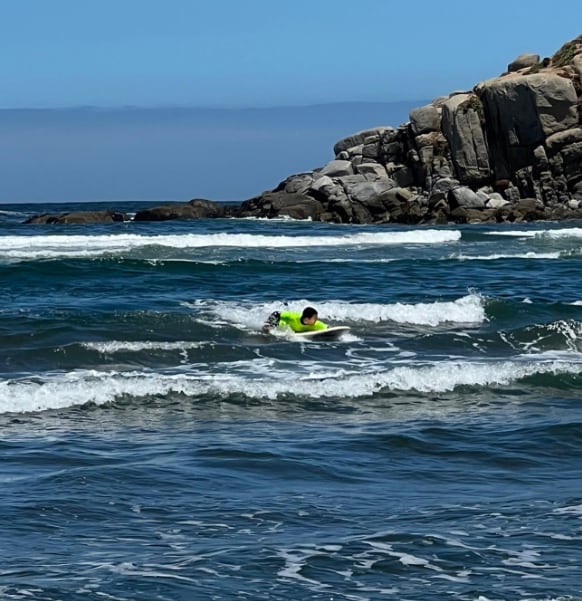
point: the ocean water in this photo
(156, 446)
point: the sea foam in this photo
(469, 309)
(571, 232)
(55, 391)
(55, 246)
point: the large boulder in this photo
(425, 119)
(197, 208)
(299, 182)
(463, 120)
(366, 191)
(282, 204)
(526, 209)
(521, 112)
(337, 168)
(523, 61)
(465, 197)
(357, 138)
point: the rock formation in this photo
(79, 217)
(509, 149)
(197, 208)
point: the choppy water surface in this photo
(156, 445)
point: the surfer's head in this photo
(309, 316)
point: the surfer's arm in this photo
(319, 325)
(272, 321)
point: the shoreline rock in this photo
(79, 217)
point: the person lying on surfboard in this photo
(298, 322)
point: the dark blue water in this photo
(156, 446)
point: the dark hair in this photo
(308, 313)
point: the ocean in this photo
(155, 445)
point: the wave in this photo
(469, 309)
(13, 213)
(561, 335)
(117, 346)
(58, 246)
(258, 380)
(571, 232)
(500, 256)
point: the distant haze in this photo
(168, 154)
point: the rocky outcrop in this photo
(510, 149)
(197, 208)
(79, 217)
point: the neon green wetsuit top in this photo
(293, 320)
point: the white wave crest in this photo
(116, 346)
(570, 232)
(496, 257)
(469, 309)
(34, 247)
(81, 387)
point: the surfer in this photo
(298, 322)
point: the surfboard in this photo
(327, 334)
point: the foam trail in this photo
(496, 257)
(31, 247)
(81, 387)
(467, 309)
(116, 346)
(572, 232)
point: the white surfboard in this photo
(327, 334)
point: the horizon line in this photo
(87, 107)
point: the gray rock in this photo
(282, 204)
(556, 102)
(321, 183)
(557, 141)
(375, 170)
(357, 138)
(397, 194)
(469, 215)
(78, 217)
(466, 198)
(365, 191)
(522, 61)
(401, 174)
(197, 208)
(522, 111)
(445, 185)
(297, 183)
(425, 119)
(496, 201)
(526, 209)
(337, 168)
(484, 196)
(463, 128)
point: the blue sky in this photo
(242, 53)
